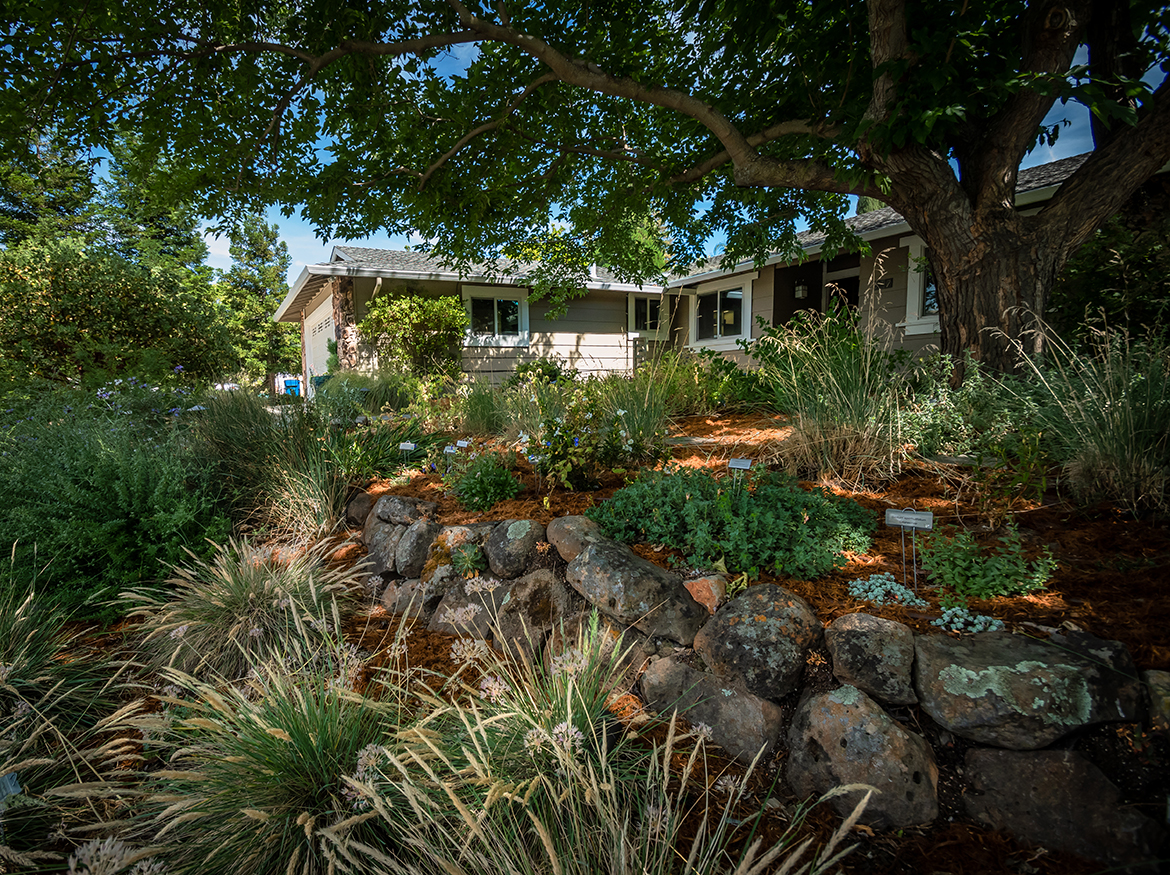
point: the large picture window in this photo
(499, 316)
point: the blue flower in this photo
(178, 369)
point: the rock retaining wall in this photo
(731, 664)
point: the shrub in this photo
(545, 370)
(347, 396)
(482, 481)
(482, 409)
(228, 614)
(416, 332)
(959, 564)
(766, 522)
(575, 446)
(842, 389)
(1106, 417)
(100, 499)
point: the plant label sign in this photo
(918, 520)
(407, 447)
(449, 450)
(740, 464)
(463, 445)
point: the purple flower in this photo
(178, 369)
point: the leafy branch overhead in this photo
(478, 125)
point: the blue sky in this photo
(306, 248)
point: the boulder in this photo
(381, 540)
(636, 592)
(741, 723)
(1016, 692)
(412, 598)
(402, 511)
(533, 606)
(874, 655)
(844, 737)
(761, 636)
(410, 556)
(510, 546)
(572, 534)
(358, 508)
(1057, 799)
(468, 607)
(1158, 692)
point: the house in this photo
(609, 330)
(617, 324)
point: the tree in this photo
(705, 114)
(69, 312)
(45, 193)
(417, 333)
(252, 290)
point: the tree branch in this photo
(484, 128)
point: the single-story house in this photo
(615, 325)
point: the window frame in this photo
(723, 342)
(662, 332)
(497, 294)
(916, 322)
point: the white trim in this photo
(740, 282)
(915, 322)
(497, 293)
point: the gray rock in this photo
(1057, 799)
(844, 737)
(572, 534)
(402, 511)
(412, 598)
(534, 605)
(741, 723)
(1158, 691)
(1016, 692)
(636, 592)
(410, 556)
(874, 655)
(381, 540)
(357, 509)
(761, 636)
(510, 546)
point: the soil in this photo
(1112, 580)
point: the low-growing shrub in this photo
(958, 563)
(226, 615)
(482, 481)
(545, 370)
(764, 523)
(882, 589)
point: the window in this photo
(921, 290)
(719, 314)
(499, 316)
(646, 314)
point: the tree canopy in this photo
(480, 124)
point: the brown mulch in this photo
(1113, 580)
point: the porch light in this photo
(801, 290)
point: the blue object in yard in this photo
(292, 387)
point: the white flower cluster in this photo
(109, 856)
(479, 584)
(567, 737)
(179, 631)
(572, 662)
(5, 671)
(468, 650)
(493, 688)
(461, 617)
(365, 773)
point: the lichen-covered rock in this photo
(402, 511)
(381, 540)
(710, 590)
(874, 655)
(358, 508)
(630, 589)
(510, 546)
(1016, 692)
(410, 556)
(738, 721)
(572, 534)
(532, 607)
(1057, 799)
(844, 737)
(761, 636)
